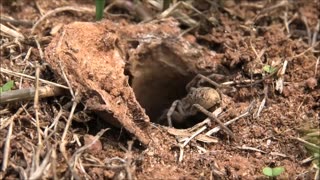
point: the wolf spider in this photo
(199, 99)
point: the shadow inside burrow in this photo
(158, 78)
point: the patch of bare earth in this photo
(125, 75)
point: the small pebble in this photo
(311, 83)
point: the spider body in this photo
(200, 99)
(206, 97)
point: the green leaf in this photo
(7, 86)
(277, 171)
(268, 69)
(316, 160)
(313, 148)
(267, 171)
(272, 172)
(99, 9)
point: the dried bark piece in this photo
(96, 71)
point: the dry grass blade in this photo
(130, 168)
(22, 172)
(315, 34)
(185, 134)
(36, 104)
(82, 149)
(43, 141)
(212, 117)
(280, 80)
(43, 166)
(250, 148)
(248, 111)
(304, 52)
(259, 110)
(200, 137)
(138, 8)
(74, 160)
(172, 11)
(11, 32)
(6, 148)
(58, 10)
(316, 68)
(194, 135)
(3, 70)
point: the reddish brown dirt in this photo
(125, 64)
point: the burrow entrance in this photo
(158, 78)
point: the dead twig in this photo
(4, 111)
(63, 142)
(39, 48)
(198, 128)
(305, 21)
(129, 166)
(26, 58)
(286, 23)
(29, 93)
(37, 173)
(309, 49)
(248, 112)
(20, 170)
(207, 113)
(185, 134)
(15, 21)
(36, 158)
(54, 162)
(41, 11)
(194, 135)
(260, 80)
(126, 164)
(278, 154)
(76, 155)
(134, 7)
(6, 148)
(280, 80)
(315, 33)
(36, 104)
(316, 68)
(258, 55)
(262, 104)
(181, 152)
(268, 10)
(251, 149)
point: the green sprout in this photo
(7, 86)
(269, 69)
(311, 141)
(99, 9)
(273, 172)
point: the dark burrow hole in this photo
(157, 82)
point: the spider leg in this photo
(216, 76)
(207, 113)
(171, 111)
(196, 82)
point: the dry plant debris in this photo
(128, 73)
